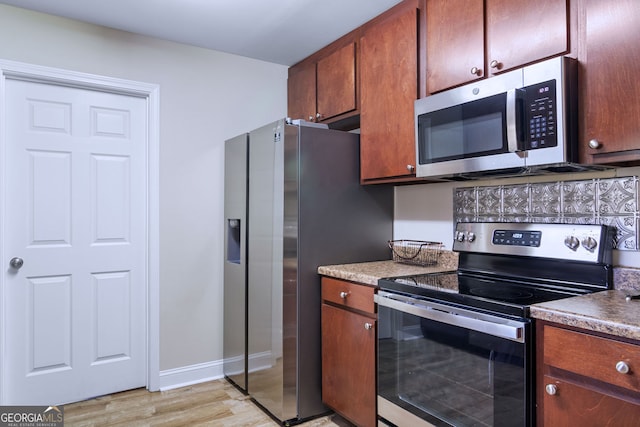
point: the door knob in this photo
(16, 263)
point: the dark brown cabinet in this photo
(609, 87)
(471, 39)
(349, 350)
(455, 43)
(586, 379)
(323, 87)
(389, 87)
(301, 92)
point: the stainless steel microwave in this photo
(523, 121)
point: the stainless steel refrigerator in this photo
(293, 202)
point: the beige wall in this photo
(205, 98)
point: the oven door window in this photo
(444, 373)
(472, 129)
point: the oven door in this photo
(443, 365)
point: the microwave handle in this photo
(514, 115)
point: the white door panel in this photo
(76, 191)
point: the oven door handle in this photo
(468, 319)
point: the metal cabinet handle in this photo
(410, 168)
(344, 295)
(494, 64)
(368, 326)
(622, 367)
(476, 71)
(551, 389)
(16, 263)
(595, 144)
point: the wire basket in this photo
(417, 252)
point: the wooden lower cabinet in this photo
(575, 405)
(349, 350)
(585, 379)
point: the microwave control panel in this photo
(540, 112)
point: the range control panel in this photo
(577, 242)
(516, 237)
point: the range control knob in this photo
(572, 242)
(589, 243)
(460, 236)
(471, 236)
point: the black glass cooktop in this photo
(476, 291)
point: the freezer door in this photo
(266, 216)
(235, 265)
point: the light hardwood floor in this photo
(214, 403)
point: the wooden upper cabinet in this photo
(389, 87)
(455, 42)
(323, 87)
(609, 86)
(301, 93)
(517, 32)
(336, 83)
(521, 31)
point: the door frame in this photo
(150, 92)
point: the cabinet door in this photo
(389, 87)
(336, 80)
(521, 31)
(455, 43)
(572, 405)
(301, 92)
(610, 88)
(348, 364)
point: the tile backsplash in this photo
(608, 201)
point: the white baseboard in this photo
(189, 375)
(209, 371)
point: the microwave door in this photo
(475, 137)
(470, 129)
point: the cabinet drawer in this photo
(594, 357)
(359, 297)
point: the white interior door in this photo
(75, 217)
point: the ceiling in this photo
(279, 31)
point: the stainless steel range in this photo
(456, 348)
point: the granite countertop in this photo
(607, 311)
(369, 272)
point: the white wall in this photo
(205, 98)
